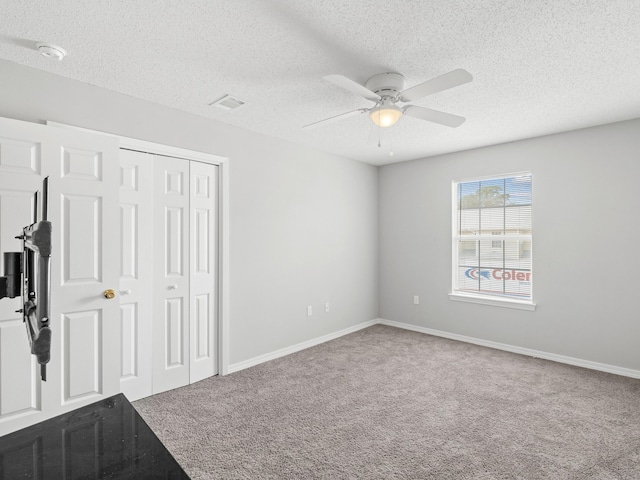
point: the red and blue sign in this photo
(497, 274)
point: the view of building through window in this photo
(492, 237)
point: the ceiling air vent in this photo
(228, 102)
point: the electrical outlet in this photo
(309, 311)
(326, 308)
(416, 300)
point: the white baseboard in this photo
(603, 367)
(236, 367)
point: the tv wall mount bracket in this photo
(27, 274)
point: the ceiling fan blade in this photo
(435, 85)
(336, 118)
(352, 86)
(434, 116)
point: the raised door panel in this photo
(171, 278)
(20, 154)
(203, 270)
(81, 225)
(174, 323)
(129, 241)
(174, 261)
(136, 273)
(82, 341)
(19, 385)
(130, 322)
(16, 212)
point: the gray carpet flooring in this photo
(385, 403)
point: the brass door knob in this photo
(109, 294)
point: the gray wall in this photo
(303, 223)
(304, 227)
(586, 227)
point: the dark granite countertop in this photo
(105, 440)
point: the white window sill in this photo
(493, 301)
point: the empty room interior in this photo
(287, 239)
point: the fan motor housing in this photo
(386, 84)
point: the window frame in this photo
(482, 298)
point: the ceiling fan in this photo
(387, 89)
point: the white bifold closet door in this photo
(169, 285)
(171, 274)
(203, 270)
(136, 274)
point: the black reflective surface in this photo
(104, 440)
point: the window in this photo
(492, 240)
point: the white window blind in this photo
(492, 237)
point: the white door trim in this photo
(223, 202)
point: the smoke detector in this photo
(51, 51)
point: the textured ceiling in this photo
(539, 66)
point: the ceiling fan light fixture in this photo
(385, 115)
